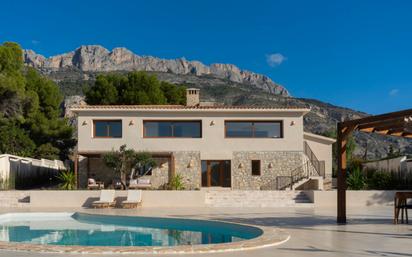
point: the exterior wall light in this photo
(292, 123)
(84, 123)
(212, 123)
(240, 166)
(270, 165)
(191, 164)
(131, 123)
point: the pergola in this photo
(392, 124)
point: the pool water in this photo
(103, 230)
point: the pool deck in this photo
(313, 232)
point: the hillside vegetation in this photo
(30, 114)
(133, 88)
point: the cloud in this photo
(394, 92)
(35, 42)
(275, 59)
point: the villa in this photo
(242, 148)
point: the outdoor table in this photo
(401, 204)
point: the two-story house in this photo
(247, 148)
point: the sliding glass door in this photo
(216, 173)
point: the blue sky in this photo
(355, 54)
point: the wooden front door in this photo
(216, 173)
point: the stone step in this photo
(237, 198)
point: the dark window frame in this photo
(259, 171)
(172, 128)
(280, 122)
(107, 128)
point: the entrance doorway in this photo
(216, 173)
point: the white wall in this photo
(84, 198)
(212, 145)
(15, 168)
(322, 148)
(361, 198)
(176, 199)
(390, 165)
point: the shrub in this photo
(381, 180)
(67, 179)
(176, 183)
(356, 180)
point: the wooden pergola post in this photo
(342, 136)
(76, 169)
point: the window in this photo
(255, 167)
(182, 129)
(253, 129)
(108, 128)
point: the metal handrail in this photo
(318, 165)
(301, 172)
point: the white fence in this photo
(21, 172)
(401, 166)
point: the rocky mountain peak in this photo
(95, 58)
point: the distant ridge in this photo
(95, 58)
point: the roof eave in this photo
(257, 110)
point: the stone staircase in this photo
(240, 198)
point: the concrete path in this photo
(370, 231)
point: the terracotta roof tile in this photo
(180, 107)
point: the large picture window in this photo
(254, 129)
(107, 128)
(179, 129)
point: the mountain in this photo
(222, 83)
(94, 58)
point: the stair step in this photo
(237, 198)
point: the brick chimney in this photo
(192, 97)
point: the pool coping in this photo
(270, 237)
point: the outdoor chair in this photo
(134, 199)
(93, 185)
(401, 206)
(141, 183)
(106, 199)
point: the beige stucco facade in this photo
(213, 145)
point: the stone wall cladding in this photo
(282, 164)
(160, 174)
(188, 165)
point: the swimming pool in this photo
(80, 229)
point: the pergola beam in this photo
(377, 118)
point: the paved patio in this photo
(313, 232)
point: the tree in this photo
(15, 140)
(133, 88)
(174, 94)
(350, 148)
(47, 151)
(104, 90)
(30, 110)
(124, 160)
(141, 89)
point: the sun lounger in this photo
(106, 199)
(134, 199)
